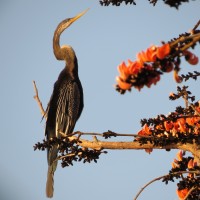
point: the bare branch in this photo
(161, 177)
(196, 26)
(36, 97)
(111, 133)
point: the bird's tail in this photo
(50, 182)
(52, 155)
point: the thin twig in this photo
(103, 134)
(63, 134)
(158, 178)
(194, 37)
(194, 40)
(193, 107)
(185, 97)
(196, 26)
(65, 156)
(189, 192)
(36, 97)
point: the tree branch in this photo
(159, 178)
(193, 148)
(36, 97)
(98, 144)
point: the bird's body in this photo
(64, 109)
(66, 103)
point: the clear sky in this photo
(102, 39)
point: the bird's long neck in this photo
(65, 52)
(59, 54)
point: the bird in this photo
(66, 102)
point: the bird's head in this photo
(67, 22)
(60, 52)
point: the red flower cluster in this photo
(146, 131)
(150, 64)
(153, 53)
(183, 125)
(174, 127)
(182, 193)
(191, 164)
(128, 74)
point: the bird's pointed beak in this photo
(78, 16)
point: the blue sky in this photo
(102, 39)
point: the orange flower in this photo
(190, 57)
(141, 57)
(151, 53)
(134, 67)
(163, 51)
(192, 163)
(141, 132)
(123, 85)
(197, 130)
(190, 121)
(145, 130)
(180, 155)
(168, 125)
(175, 164)
(182, 126)
(182, 193)
(123, 71)
(148, 56)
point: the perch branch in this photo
(134, 145)
(103, 134)
(98, 144)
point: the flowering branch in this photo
(179, 130)
(147, 138)
(157, 60)
(98, 144)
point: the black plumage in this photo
(65, 106)
(66, 103)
